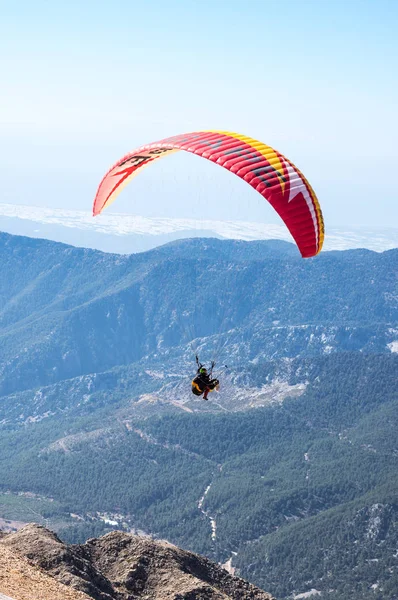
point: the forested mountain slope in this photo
(300, 494)
(99, 429)
(66, 312)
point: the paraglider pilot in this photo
(203, 382)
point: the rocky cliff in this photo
(121, 566)
(23, 581)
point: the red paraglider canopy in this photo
(262, 167)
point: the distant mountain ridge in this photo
(124, 233)
(67, 312)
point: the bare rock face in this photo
(21, 581)
(121, 566)
(68, 564)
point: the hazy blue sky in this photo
(81, 83)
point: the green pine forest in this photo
(303, 493)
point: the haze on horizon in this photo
(82, 84)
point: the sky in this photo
(82, 83)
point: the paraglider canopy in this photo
(265, 169)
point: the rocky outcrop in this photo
(121, 566)
(21, 581)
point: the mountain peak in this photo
(21, 580)
(122, 566)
